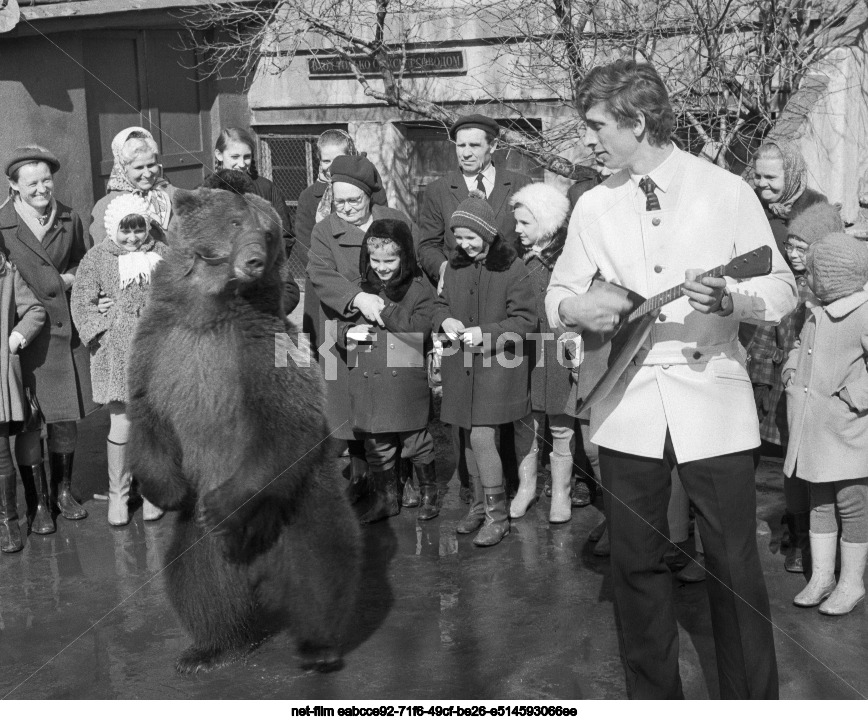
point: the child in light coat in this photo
(826, 380)
(110, 292)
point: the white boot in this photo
(851, 585)
(822, 583)
(119, 484)
(562, 473)
(150, 512)
(526, 495)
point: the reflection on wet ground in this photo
(83, 614)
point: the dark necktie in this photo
(651, 200)
(480, 186)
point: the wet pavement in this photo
(83, 614)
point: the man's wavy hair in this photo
(628, 88)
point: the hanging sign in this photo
(438, 62)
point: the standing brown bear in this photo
(238, 445)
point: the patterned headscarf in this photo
(324, 209)
(795, 176)
(159, 203)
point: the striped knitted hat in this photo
(475, 213)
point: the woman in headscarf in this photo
(137, 170)
(333, 270)
(798, 216)
(44, 240)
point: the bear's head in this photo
(229, 241)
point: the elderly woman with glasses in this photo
(333, 269)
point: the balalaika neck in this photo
(667, 296)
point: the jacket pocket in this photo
(731, 376)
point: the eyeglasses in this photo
(356, 202)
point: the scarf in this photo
(136, 266)
(795, 178)
(159, 203)
(39, 224)
(324, 209)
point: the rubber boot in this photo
(411, 496)
(799, 553)
(822, 583)
(561, 509)
(359, 481)
(526, 495)
(150, 512)
(120, 480)
(476, 514)
(61, 485)
(10, 531)
(39, 512)
(851, 586)
(385, 487)
(496, 525)
(427, 475)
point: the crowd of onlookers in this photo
(466, 284)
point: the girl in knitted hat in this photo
(826, 381)
(110, 291)
(487, 308)
(768, 349)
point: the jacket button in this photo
(661, 317)
(365, 374)
(391, 345)
(394, 373)
(666, 367)
(656, 221)
(467, 372)
(658, 268)
(471, 319)
(810, 351)
(697, 355)
(471, 291)
(806, 389)
(60, 324)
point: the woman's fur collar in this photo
(499, 258)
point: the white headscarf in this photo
(159, 203)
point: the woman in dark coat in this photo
(488, 303)
(333, 270)
(44, 239)
(541, 213)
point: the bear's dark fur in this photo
(264, 537)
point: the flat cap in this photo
(475, 121)
(30, 154)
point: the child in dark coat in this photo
(488, 304)
(390, 400)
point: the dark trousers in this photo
(723, 493)
(383, 449)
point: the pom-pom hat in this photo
(815, 222)
(838, 265)
(31, 154)
(475, 213)
(475, 121)
(122, 206)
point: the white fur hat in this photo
(546, 203)
(120, 208)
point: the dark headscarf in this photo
(399, 233)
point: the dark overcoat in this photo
(549, 378)
(333, 269)
(56, 364)
(439, 203)
(497, 295)
(389, 390)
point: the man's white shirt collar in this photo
(487, 180)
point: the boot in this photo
(799, 553)
(496, 525)
(61, 483)
(10, 531)
(476, 515)
(120, 480)
(359, 481)
(526, 495)
(385, 486)
(411, 496)
(33, 478)
(581, 495)
(561, 509)
(851, 586)
(427, 475)
(150, 512)
(822, 583)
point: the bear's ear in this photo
(185, 202)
